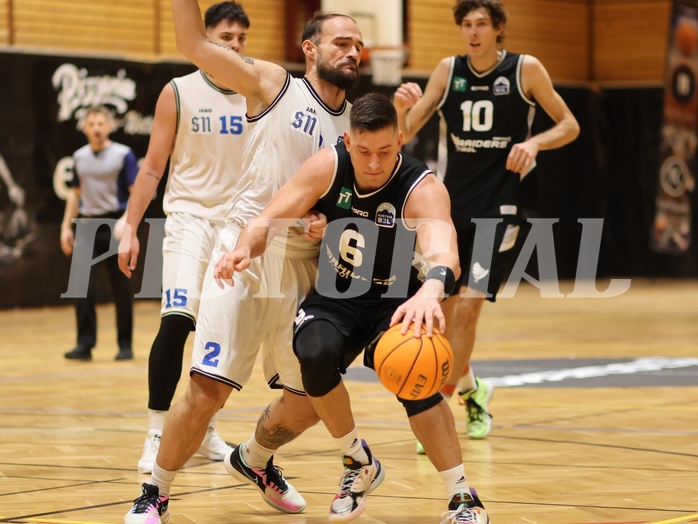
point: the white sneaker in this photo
(357, 481)
(150, 452)
(214, 447)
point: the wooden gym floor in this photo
(589, 430)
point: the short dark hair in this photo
(372, 112)
(313, 29)
(495, 8)
(229, 10)
(98, 110)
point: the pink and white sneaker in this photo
(149, 508)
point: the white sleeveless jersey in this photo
(294, 127)
(206, 162)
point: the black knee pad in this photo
(318, 346)
(415, 407)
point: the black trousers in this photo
(121, 291)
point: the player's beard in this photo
(342, 78)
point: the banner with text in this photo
(671, 232)
(42, 101)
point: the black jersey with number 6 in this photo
(367, 244)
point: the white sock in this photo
(467, 381)
(455, 481)
(163, 479)
(350, 445)
(156, 420)
(254, 454)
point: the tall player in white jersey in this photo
(290, 119)
(200, 126)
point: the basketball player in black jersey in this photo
(486, 98)
(377, 202)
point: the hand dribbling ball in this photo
(413, 368)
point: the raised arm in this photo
(538, 86)
(414, 109)
(258, 81)
(294, 199)
(429, 210)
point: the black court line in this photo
(54, 488)
(593, 444)
(173, 498)
(401, 519)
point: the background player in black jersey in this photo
(486, 99)
(373, 197)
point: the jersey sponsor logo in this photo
(501, 86)
(342, 270)
(459, 84)
(344, 200)
(479, 272)
(471, 146)
(385, 215)
(359, 212)
(205, 110)
(480, 88)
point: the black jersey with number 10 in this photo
(485, 114)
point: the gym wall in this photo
(606, 58)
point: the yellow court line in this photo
(44, 521)
(680, 519)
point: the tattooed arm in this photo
(258, 81)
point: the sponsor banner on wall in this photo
(42, 101)
(671, 232)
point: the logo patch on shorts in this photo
(301, 318)
(479, 272)
(385, 215)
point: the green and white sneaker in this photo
(476, 402)
(420, 449)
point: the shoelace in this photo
(144, 502)
(275, 478)
(348, 478)
(463, 515)
(475, 410)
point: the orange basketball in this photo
(412, 368)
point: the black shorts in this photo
(486, 265)
(361, 321)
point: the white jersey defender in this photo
(258, 311)
(205, 167)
